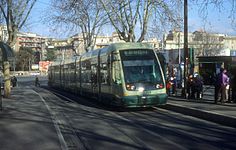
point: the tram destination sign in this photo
(138, 52)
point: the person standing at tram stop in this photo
(217, 84)
(224, 86)
(189, 86)
(233, 87)
(168, 86)
(37, 81)
(197, 86)
(173, 85)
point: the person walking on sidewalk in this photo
(37, 81)
(14, 81)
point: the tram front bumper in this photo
(144, 100)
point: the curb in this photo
(202, 114)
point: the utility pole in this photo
(186, 55)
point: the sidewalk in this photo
(25, 123)
(205, 108)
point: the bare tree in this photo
(87, 15)
(221, 5)
(166, 17)
(15, 14)
(131, 18)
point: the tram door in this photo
(116, 76)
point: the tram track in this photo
(155, 123)
(127, 120)
(146, 121)
(139, 142)
(69, 133)
(150, 132)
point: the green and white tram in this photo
(121, 74)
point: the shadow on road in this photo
(91, 102)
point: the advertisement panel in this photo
(43, 66)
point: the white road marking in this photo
(55, 122)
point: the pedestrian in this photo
(233, 86)
(37, 81)
(198, 86)
(168, 86)
(14, 81)
(227, 89)
(189, 85)
(217, 84)
(173, 85)
(224, 84)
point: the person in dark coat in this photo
(198, 86)
(233, 86)
(218, 82)
(14, 81)
(190, 88)
(37, 81)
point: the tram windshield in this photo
(141, 66)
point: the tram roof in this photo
(121, 46)
(108, 49)
(117, 46)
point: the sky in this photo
(217, 21)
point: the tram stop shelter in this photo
(209, 67)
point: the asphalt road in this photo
(87, 125)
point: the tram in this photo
(121, 74)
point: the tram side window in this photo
(77, 71)
(86, 72)
(83, 69)
(57, 73)
(116, 76)
(72, 73)
(94, 74)
(104, 73)
(66, 73)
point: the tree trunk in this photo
(7, 79)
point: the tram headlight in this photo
(141, 89)
(159, 86)
(130, 87)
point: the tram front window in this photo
(141, 66)
(142, 71)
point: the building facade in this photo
(200, 44)
(204, 44)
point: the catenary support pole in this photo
(186, 59)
